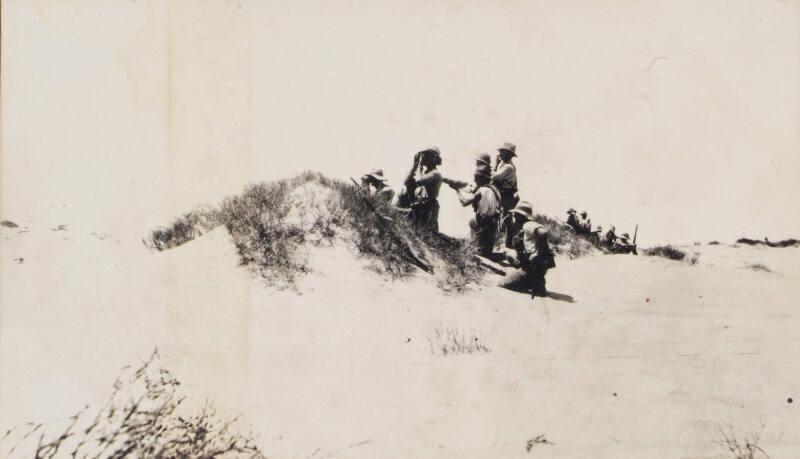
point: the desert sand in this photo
(632, 357)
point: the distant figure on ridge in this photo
(610, 237)
(533, 254)
(585, 223)
(573, 221)
(623, 245)
(375, 185)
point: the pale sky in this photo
(683, 117)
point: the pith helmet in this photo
(484, 159)
(483, 171)
(509, 147)
(434, 152)
(571, 211)
(626, 236)
(524, 209)
(376, 174)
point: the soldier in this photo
(622, 245)
(595, 236)
(572, 220)
(421, 193)
(505, 177)
(610, 238)
(533, 254)
(375, 185)
(483, 159)
(584, 223)
(485, 200)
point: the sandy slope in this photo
(650, 359)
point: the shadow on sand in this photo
(560, 297)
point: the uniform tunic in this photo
(425, 209)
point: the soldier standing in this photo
(533, 254)
(505, 177)
(485, 200)
(422, 186)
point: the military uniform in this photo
(534, 255)
(621, 245)
(573, 221)
(379, 189)
(485, 200)
(610, 238)
(505, 179)
(425, 207)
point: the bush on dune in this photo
(672, 253)
(185, 228)
(270, 223)
(564, 239)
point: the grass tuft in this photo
(672, 253)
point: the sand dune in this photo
(346, 364)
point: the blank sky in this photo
(683, 117)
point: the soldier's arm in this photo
(454, 184)
(466, 198)
(428, 177)
(504, 172)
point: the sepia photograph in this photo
(399, 229)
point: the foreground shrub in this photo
(140, 419)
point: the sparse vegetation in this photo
(564, 239)
(537, 440)
(759, 267)
(142, 418)
(270, 223)
(185, 228)
(767, 242)
(713, 243)
(8, 224)
(449, 341)
(747, 449)
(672, 253)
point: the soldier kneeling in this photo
(533, 254)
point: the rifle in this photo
(635, 232)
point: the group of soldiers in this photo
(496, 203)
(608, 241)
